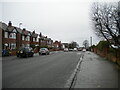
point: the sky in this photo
(62, 20)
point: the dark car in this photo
(44, 51)
(25, 52)
(6, 52)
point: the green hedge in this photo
(102, 45)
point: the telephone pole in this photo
(91, 41)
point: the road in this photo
(55, 71)
(44, 71)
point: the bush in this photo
(102, 45)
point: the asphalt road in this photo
(45, 71)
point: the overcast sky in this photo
(62, 20)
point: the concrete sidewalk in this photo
(96, 72)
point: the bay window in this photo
(23, 37)
(34, 39)
(6, 34)
(12, 35)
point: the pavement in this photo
(96, 72)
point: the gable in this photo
(29, 34)
(14, 30)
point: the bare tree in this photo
(73, 44)
(86, 44)
(106, 21)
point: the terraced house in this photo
(10, 36)
(14, 37)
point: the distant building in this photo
(57, 45)
(65, 45)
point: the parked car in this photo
(6, 52)
(44, 51)
(84, 50)
(70, 49)
(25, 52)
(75, 49)
(66, 50)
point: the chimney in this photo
(9, 24)
(24, 29)
(40, 34)
(34, 31)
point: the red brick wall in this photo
(19, 43)
(9, 40)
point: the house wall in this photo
(19, 41)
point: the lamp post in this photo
(91, 41)
(20, 25)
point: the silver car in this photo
(44, 51)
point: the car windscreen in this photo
(43, 49)
(24, 49)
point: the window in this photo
(27, 45)
(28, 38)
(34, 39)
(12, 45)
(37, 39)
(6, 34)
(23, 37)
(14, 31)
(12, 35)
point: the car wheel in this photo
(26, 55)
(18, 55)
(32, 55)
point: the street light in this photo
(20, 24)
(91, 41)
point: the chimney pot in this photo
(9, 24)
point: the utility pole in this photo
(91, 41)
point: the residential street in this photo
(56, 69)
(51, 71)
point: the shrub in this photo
(102, 45)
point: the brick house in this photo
(45, 41)
(9, 34)
(42, 40)
(14, 37)
(34, 39)
(57, 45)
(25, 38)
(10, 37)
(50, 43)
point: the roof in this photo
(34, 35)
(18, 29)
(25, 32)
(3, 26)
(10, 28)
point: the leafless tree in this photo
(86, 44)
(106, 21)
